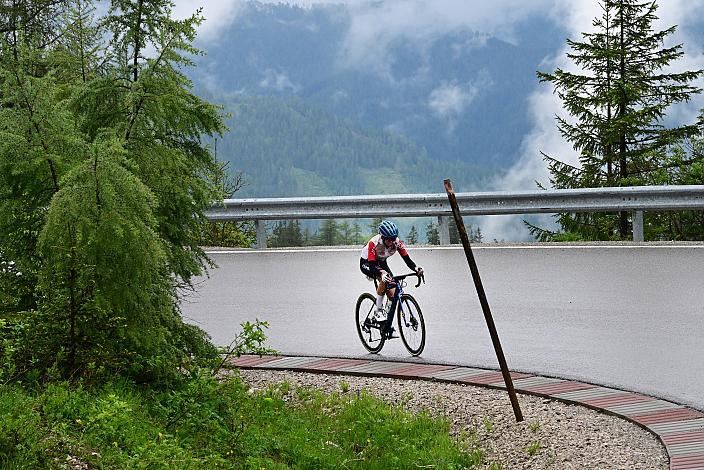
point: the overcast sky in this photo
(375, 25)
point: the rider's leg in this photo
(390, 318)
(381, 288)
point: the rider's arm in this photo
(409, 262)
(404, 254)
(373, 262)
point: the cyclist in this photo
(373, 265)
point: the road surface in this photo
(624, 316)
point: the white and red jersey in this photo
(376, 249)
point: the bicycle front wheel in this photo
(411, 325)
(368, 328)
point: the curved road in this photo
(625, 316)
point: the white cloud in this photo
(340, 96)
(221, 13)
(450, 99)
(278, 81)
(544, 105)
(686, 14)
(218, 14)
(376, 26)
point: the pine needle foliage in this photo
(104, 179)
(286, 233)
(617, 102)
(92, 293)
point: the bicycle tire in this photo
(411, 325)
(362, 313)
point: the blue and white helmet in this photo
(388, 229)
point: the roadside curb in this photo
(679, 428)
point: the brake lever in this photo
(420, 276)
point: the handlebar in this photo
(421, 277)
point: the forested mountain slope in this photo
(459, 97)
(286, 147)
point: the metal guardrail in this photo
(634, 199)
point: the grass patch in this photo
(533, 448)
(203, 423)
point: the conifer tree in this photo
(617, 104)
(78, 54)
(412, 235)
(478, 237)
(162, 122)
(345, 232)
(307, 238)
(329, 233)
(357, 233)
(295, 235)
(277, 237)
(374, 225)
(432, 234)
(286, 233)
(104, 181)
(36, 21)
(37, 141)
(475, 236)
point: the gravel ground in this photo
(568, 436)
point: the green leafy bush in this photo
(21, 433)
(203, 423)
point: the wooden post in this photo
(482, 299)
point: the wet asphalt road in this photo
(630, 317)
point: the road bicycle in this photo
(411, 326)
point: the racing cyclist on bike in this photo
(373, 265)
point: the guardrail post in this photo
(261, 234)
(638, 226)
(444, 230)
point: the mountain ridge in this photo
(459, 98)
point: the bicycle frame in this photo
(399, 284)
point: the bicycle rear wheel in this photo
(368, 328)
(411, 325)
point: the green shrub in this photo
(21, 434)
(203, 423)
